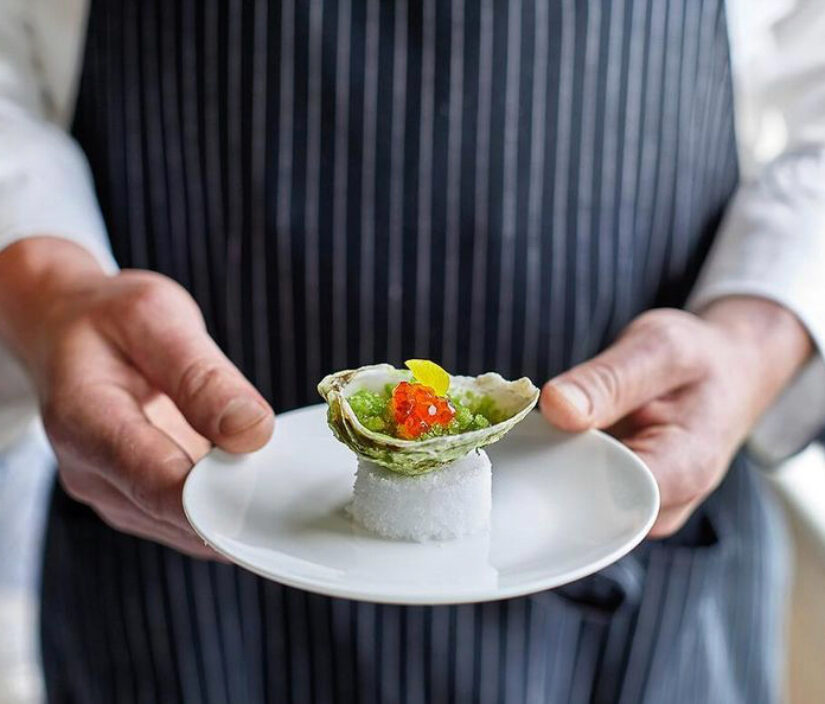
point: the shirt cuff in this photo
(772, 244)
(46, 188)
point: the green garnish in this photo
(372, 409)
(472, 413)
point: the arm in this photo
(44, 182)
(131, 387)
(772, 242)
(684, 390)
(45, 185)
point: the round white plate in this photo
(564, 506)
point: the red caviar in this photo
(416, 409)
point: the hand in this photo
(132, 388)
(683, 391)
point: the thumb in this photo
(163, 334)
(656, 354)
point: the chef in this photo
(206, 206)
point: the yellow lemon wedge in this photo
(429, 374)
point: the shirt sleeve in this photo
(45, 183)
(772, 240)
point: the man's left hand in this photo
(683, 391)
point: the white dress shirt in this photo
(771, 243)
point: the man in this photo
(530, 187)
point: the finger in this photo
(673, 408)
(164, 414)
(677, 491)
(140, 525)
(669, 453)
(670, 520)
(162, 333)
(101, 428)
(118, 512)
(684, 467)
(652, 358)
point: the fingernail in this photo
(240, 414)
(574, 396)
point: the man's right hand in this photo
(132, 388)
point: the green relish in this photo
(374, 411)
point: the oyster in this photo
(512, 400)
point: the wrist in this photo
(38, 276)
(768, 342)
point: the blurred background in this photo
(26, 474)
(27, 466)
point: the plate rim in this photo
(320, 586)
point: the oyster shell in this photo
(512, 399)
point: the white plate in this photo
(564, 506)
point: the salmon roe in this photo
(416, 409)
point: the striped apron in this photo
(495, 185)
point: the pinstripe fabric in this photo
(494, 184)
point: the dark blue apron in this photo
(494, 185)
